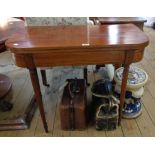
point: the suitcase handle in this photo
(73, 88)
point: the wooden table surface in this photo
(72, 37)
(8, 26)
(138, 21)
(77, 45)
(121, 20)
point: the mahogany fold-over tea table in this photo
(77, 45)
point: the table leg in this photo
(128, 59)
(36, 87)
(44, 77)
(123, 90)
(86, 76)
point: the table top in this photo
(8, 26)
(120, 20)
(31, 39)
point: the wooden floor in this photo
(22, 93)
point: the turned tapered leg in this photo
(123, 91)
(44, 77)
(36, 87)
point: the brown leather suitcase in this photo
(73, 106)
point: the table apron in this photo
(49, 59)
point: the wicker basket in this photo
(107, 116)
